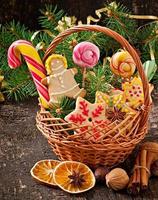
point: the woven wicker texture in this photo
(118, 140)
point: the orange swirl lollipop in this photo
(122, 64)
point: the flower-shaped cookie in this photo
(89, 115)
(116, 98)
(133, 92)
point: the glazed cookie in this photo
(115, 98)
(89, 115)
(133, 92)
(61, 80)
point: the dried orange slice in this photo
(43, 171)
(74, 177)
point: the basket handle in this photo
(124, 43)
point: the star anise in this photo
(115, 114)
(76, 179)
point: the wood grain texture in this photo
(21, 145)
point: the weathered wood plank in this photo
(21, 145)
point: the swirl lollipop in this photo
(86, 55)
(122, 64)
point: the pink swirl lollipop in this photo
(86, 55)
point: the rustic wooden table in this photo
(21, 145)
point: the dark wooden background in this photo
(27, 11)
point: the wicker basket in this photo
(115, 146)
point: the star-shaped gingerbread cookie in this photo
(91, 116)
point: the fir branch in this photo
(20, 85)
(20, 91)
(50, 18)
(18, 31)
(148, 37)
(65, 106)
(148, 32)
(117, 20)
(98, 80)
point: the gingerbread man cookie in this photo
(61, 80)
(89, 115)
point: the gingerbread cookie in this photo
(61, 80)
(133, 92)
(89, 115)
(115, 99)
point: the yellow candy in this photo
(122, 64)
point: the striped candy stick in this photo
(35, 65)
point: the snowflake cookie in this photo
(91, 117)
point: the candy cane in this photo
(34, 63)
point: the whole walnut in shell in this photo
(117, 179)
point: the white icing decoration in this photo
(59, 74)
(72, 71)
(56, 93)
(60, 66)
(78, 93)
(48, 80)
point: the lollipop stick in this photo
(84, 77)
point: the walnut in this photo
(117, 179)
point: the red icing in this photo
(96, 134)
(83, 129)
(98, 121)
(97, 111)
(77, 118)
(83, 107)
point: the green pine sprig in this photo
(50, 17)
(20, 85)
(99, 79)
(65, 106)
(116, 18)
